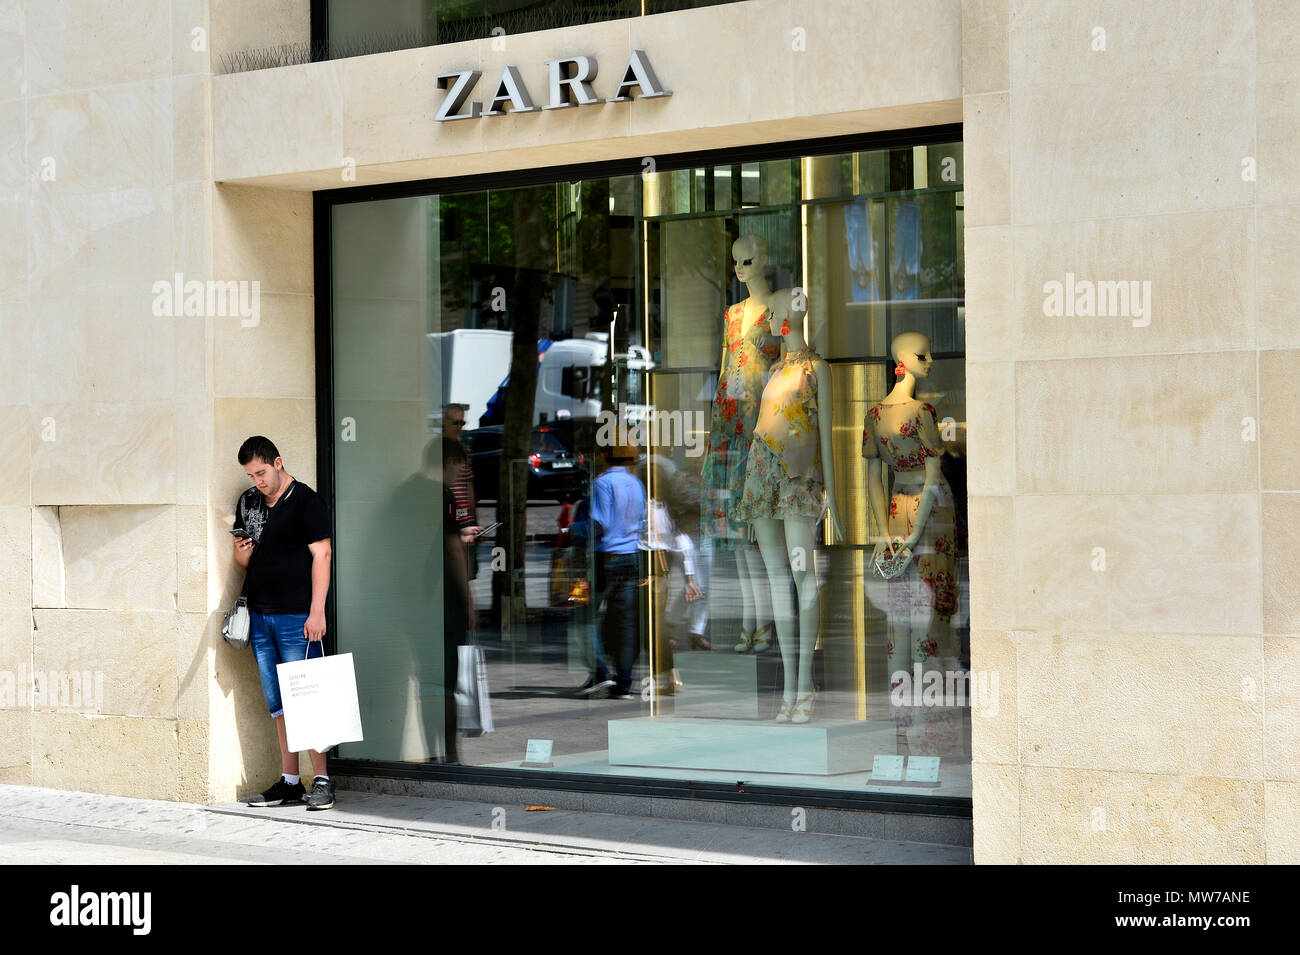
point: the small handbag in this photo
(235, 625)
(893, 560)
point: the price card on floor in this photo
(887, 769)
(923, 769)
(538, 752)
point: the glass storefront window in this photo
(704, 519)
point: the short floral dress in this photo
(924, 597)
(783, 477)
(735, 410)
(904, 435)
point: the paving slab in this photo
(53, 826)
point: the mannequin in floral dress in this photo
(748, 349)
(789, 485)
(901, 433)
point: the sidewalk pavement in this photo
(48, 826)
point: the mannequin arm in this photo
(933, 474)
(877, 508)
(824, 436)
(933, 477)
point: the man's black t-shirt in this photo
(279, 572)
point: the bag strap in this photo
(319, 643)
(243, 589)
(271, 511)
(243, 520)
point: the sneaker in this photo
(624, 695)
(280, 793)
(594, 688)
(322, 794)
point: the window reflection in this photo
(616, 481)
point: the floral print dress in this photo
(735, 410)
(783, 476)
(904, 435)
(924, 597)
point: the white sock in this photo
(292, 780)
(321, 777)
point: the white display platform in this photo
(717, 685)
(817, 748)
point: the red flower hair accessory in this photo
(900, 370)
(785, 326)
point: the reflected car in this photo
(555, 472)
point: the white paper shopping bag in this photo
(473, 701)
(320, 702)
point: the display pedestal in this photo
(819, 748)
(717, 685)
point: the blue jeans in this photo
(276, 638)
(616, 576)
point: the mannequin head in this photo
(913, 350)
(749, 255)
(782, 306)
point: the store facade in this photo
(917, 215)
(562, 302)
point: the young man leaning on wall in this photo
(286, 553)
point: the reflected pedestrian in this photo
(618, 507)
(462, 488)
(459, 615)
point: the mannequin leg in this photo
(748, 602)
(909, 631)
(799, 546)
(771, 544)
(762, 602)
(918, 643)
(757, 607)
(898, 662)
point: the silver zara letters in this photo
(569, 81)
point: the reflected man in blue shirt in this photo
(618, 506)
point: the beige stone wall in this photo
(117, 470)
(1148, 710)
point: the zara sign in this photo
(570, 85)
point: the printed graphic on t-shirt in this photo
(253, 513)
